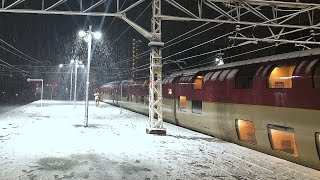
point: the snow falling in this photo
(50, 142)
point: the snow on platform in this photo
(50, 142)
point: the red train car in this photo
(270, 104)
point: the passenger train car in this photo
(269, 104)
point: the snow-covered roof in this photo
(291, 55)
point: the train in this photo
(269, 104)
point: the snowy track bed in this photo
(50, 142)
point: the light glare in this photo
(82, 33)
(97, 35)
(60, 65)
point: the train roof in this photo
(291, 55)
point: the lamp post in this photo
(88, 37)
(71, 63)
(75, 81)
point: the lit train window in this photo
(197, 84)
(244, 79)
(245, 130)
(281, 77)
(318, 143)
(316, 76)
(182, 102)
(282, 139)
(197, 107)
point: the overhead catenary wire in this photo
(15, 54)
(20, 51)
(13, 67)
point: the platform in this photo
(50, 142)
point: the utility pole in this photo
(155, 83)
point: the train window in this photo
(223, 75)
(182, 102)
(316, 76)
(244, 79)
(207, 76)
(197, 107)
(215, 76)
(197, 84)
(281, 77)
(245, 130)
(282, 139)
(318, 143)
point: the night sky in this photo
(53, 39)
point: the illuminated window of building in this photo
(281, 77)
(244, 79)
(197, 84)
(318, 143)
(316, 76)
(182, 102)
(245, 130)
(197, 107)
(282, 139)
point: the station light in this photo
(82, 33)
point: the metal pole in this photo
(75, 84)
(71, 82)
(88, 73)
(41, 91)
(51, 91)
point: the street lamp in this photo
(88, 38)
(77, 65)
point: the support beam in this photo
(95, 5)
(181, 8)
(13, 4)
(138, 28)
(264, 24)
(155, 83)
(218, 9)
(132, 6)
(284, 41)
(56, 4)
(69, 13)
(295, 5)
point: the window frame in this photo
(248, 77)
(272, 67)
(317, 64)
(285, 129)
(192, 105)
(238, 132)
(184, 109)
(317, 138)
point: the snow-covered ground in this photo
(50, 142)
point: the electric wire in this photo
(20, 51)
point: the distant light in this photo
(97, 35)
(80, 62)
(3, 92)
(72, 61)
(25, 90)
(10, 75)
(82, 33)
(60, 65)
(217, 59)
(17, 94)
(170, 91)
